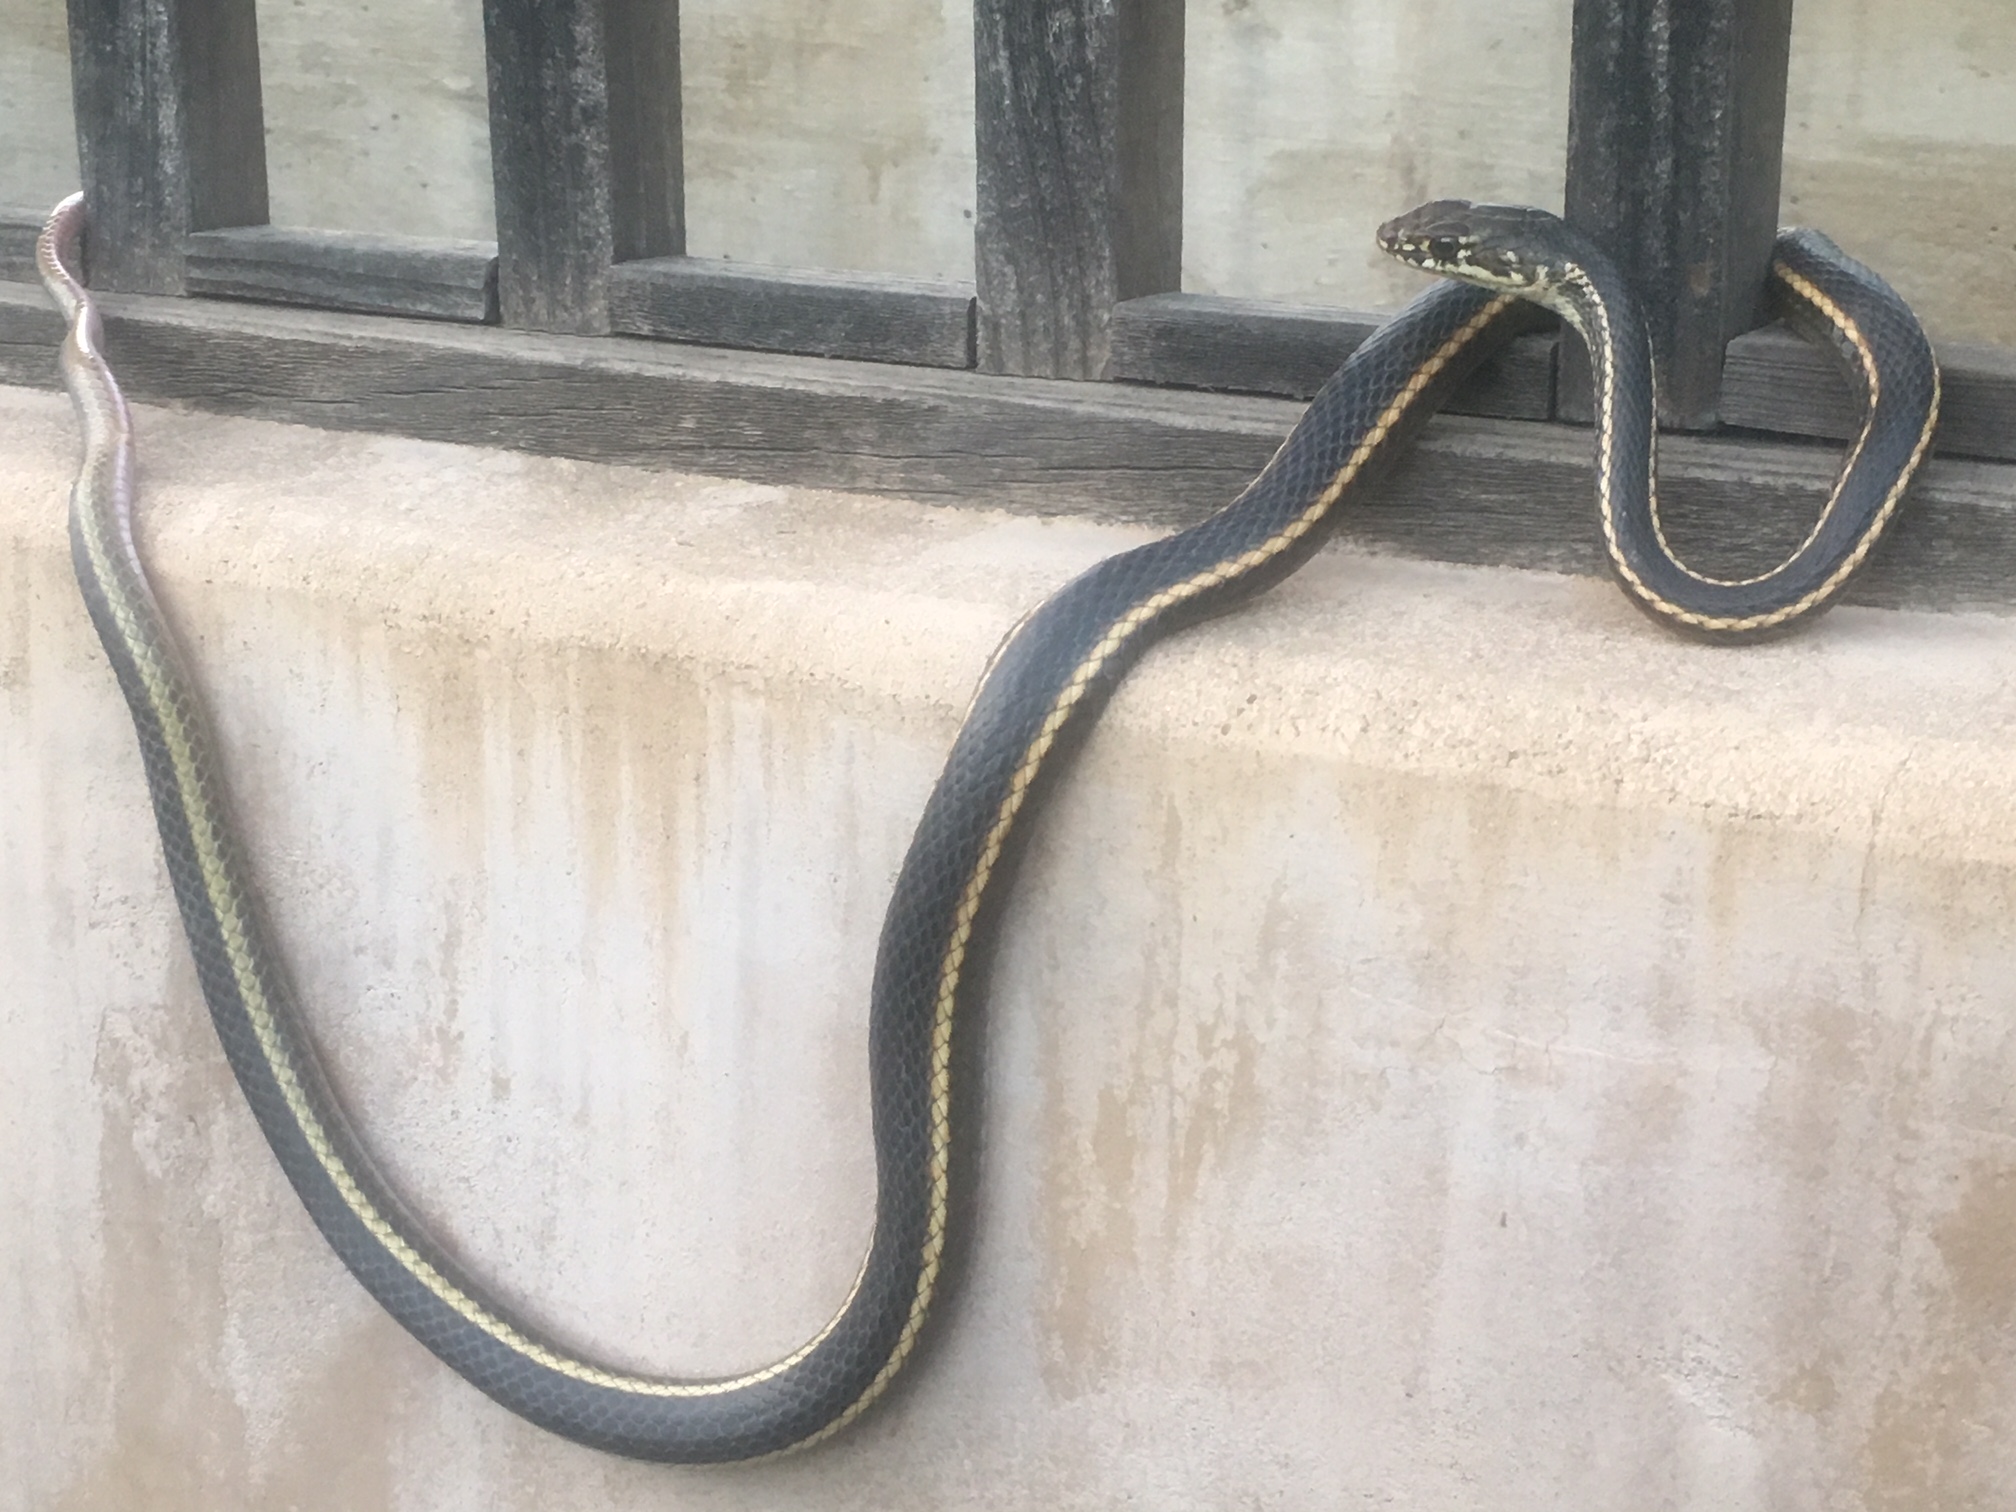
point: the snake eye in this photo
(1444, 249)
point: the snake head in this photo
(1504, 247)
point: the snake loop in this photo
(1818, 289)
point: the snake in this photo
(1037, 700)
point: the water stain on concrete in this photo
(1923, 1447)
(176, 1434)
(1977, 1240)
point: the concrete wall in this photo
(841, 135)
(1900, 138)
(376, 117)
(825, 136)
(38, 142)
(1307, 122)
(1452, 1046)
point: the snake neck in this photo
(1591, 296)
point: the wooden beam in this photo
(646, 133)
(1486, 491)
(585, 150)
(871, 318)
(171, 136)
(1257, 346)
(348, 270)
(18, 229)
(1078, 119)
(1676, 120)
(1774, 381)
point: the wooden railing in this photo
(1674, 151)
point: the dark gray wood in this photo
(872, 318)
(171, 137)
(1775, 381)
(584, 148)
(1256, 346)
(348, 270)
(1252, 346)
(1676, 119)
(646, 136)
(1473, 490)
(1499, 493)
(18, 230)
(1078, 128)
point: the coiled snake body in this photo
(1043, 692)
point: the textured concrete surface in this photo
(38, 142)
(836, 134)
(376, 121)
(1304, 119)
(1452, 1046)
(376, 117)
(841, 135)
(1900, 138)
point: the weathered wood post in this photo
(1078, 118)
(171, 137)
(1676, 123)
(585, 151)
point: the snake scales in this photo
(1041, 695)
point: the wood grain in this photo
(584, 149)
(1676, 123)
(348, 270)
(1255, 346)
(1496, 492)
(1775, 381)
(171, 134)
(18, 230)
(1078, 124)
(870, 317)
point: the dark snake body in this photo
(1831, 299)
(1040, 696)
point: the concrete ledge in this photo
(1453, 1046)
